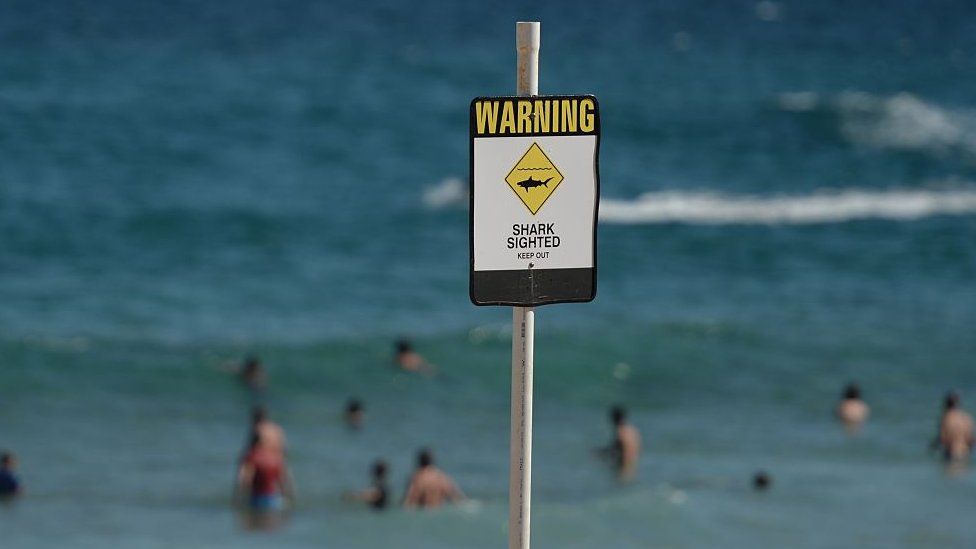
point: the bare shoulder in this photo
(441, 476)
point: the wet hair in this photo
(403, 346)
(258, 414)
(255, 440)
(761, 480)
(951, 400)
(252, 364)
(852, 391)
(425, 457)
(6, 458)
(618, 415)
(379, 469)
(354, 405)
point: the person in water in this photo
(406, 358)
(430, 487)
(9, 483)
(955, 436)
(377, 495)
(761, 481)
(354, 414)
(269, 433)
(250, 372)
(851, 410)
(263, 480)
(625, 447)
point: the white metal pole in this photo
(523, 342)
(520, 467)
(527, 44)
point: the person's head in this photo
(425, 458)
(852, 392)
(951, 400)
(403, 346)
(252, 365)
(379, 470)
(761, 480)
(618, 415)
(258, 414)
(354, 413)
(7, 461)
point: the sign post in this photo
(534, 199)
(523, 341)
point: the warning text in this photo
(496, 117)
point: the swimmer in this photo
(251, 373)
(625, 447)
(851, 410)
(9, 483)
(429, 486)
(406, 358)
(955, 436)
(263, 480)
(377, 495)
(270, 434)
(761, 481)
(354, 414)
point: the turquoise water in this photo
(789, 203)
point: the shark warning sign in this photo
(534, 198)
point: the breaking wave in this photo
(715, 208)
(821, 207)
(450, 192)
(900, 122)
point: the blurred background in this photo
(788, 204)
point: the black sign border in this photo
(524, 274)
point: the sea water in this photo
(789, 204)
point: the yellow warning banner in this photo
(514, 116)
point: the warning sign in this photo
(534, 199)
(536, 176)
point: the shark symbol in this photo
(533, 183)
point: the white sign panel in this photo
(534, 198)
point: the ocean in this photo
(788, 205)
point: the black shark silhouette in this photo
(532, 183)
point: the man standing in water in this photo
(429, 486)
(955, 436)
(377, 495)
(626, 444)
(9, 485)
(851, 410)
(263, 477)
(406, 358)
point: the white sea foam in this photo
(768, 10)
(901, 121)
(449, 192)
(798, 101)
(820, 207)
(904, 122)
(715, 208)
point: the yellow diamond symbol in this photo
(534, 178)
